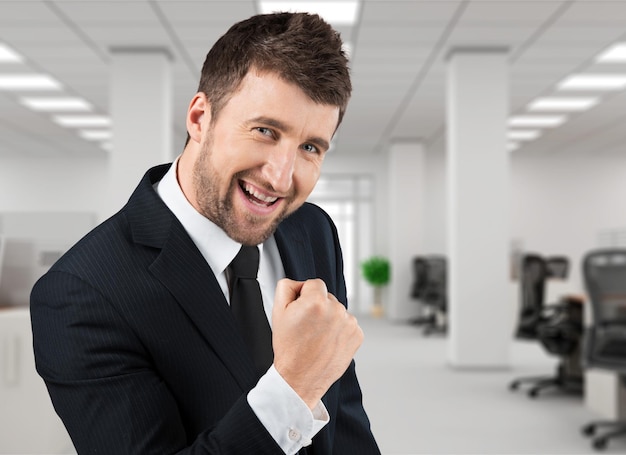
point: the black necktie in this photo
(247, 306)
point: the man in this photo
(133, 332)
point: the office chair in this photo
(604, 273)
(558, 327)
(429, 287)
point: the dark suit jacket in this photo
(139, 349)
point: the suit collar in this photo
(149, 218)
(181, 268)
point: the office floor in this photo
(419, 405)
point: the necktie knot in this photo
(246, 263)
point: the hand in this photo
(314, 337)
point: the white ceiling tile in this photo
(411, 12)
(207, 13)
(18, 12)
(98, 12)
(605, 12)
(512, 12)
(474, 35)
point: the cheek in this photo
(305, 178)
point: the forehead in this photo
(266, 94)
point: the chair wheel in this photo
(588, 430)
(599, 443)
(532, 393)
(514, 385)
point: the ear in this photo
(198, 116)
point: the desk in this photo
(28, 423)
(605, 394)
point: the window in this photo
(348, 201)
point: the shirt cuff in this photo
(283, 413)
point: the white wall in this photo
(52, 184)
(559, 205)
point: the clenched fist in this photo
(313, 336)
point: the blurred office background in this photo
(479, 131)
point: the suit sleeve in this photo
(105, 388)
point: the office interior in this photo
(471, 134)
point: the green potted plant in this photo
(377, 272)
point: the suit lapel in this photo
(181, 268)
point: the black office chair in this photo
(604, 273)
(558, 326)
(429, 288)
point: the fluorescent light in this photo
(563, 104)
(59, 104)
(8, 55)
(614, 54)
(537, 120)
(510, 146)
(333, 12)
(28, 82)
(523, 135)
(82, 120)
(96, 135)
(594, 82)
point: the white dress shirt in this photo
(279, 408)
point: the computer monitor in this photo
(32, 242)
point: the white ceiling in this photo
(398, 63)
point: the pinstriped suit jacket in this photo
(141, 354)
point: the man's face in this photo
(262, 156)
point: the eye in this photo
(265, 131)
(310, 148)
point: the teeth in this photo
(267, 199)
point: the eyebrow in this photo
(318, 141)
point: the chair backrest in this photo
(436, 293)
(604, 274)
(420, 278)
(533, 284)
(532, 294)
(557, 267)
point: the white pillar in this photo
(405, 207)
(141, 113)
(479, 332)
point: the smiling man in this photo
(209, 316)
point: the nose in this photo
(279, 167)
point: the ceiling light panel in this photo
(537, 120)
(56, 104)
(523, 135)
(334, 12)
(80, 121)
(594, 82)
(8, 55)
(563, 104)
(96, 135)
(28, 82)
(614, 54)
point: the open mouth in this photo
(255, 196)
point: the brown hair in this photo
(300, 47)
